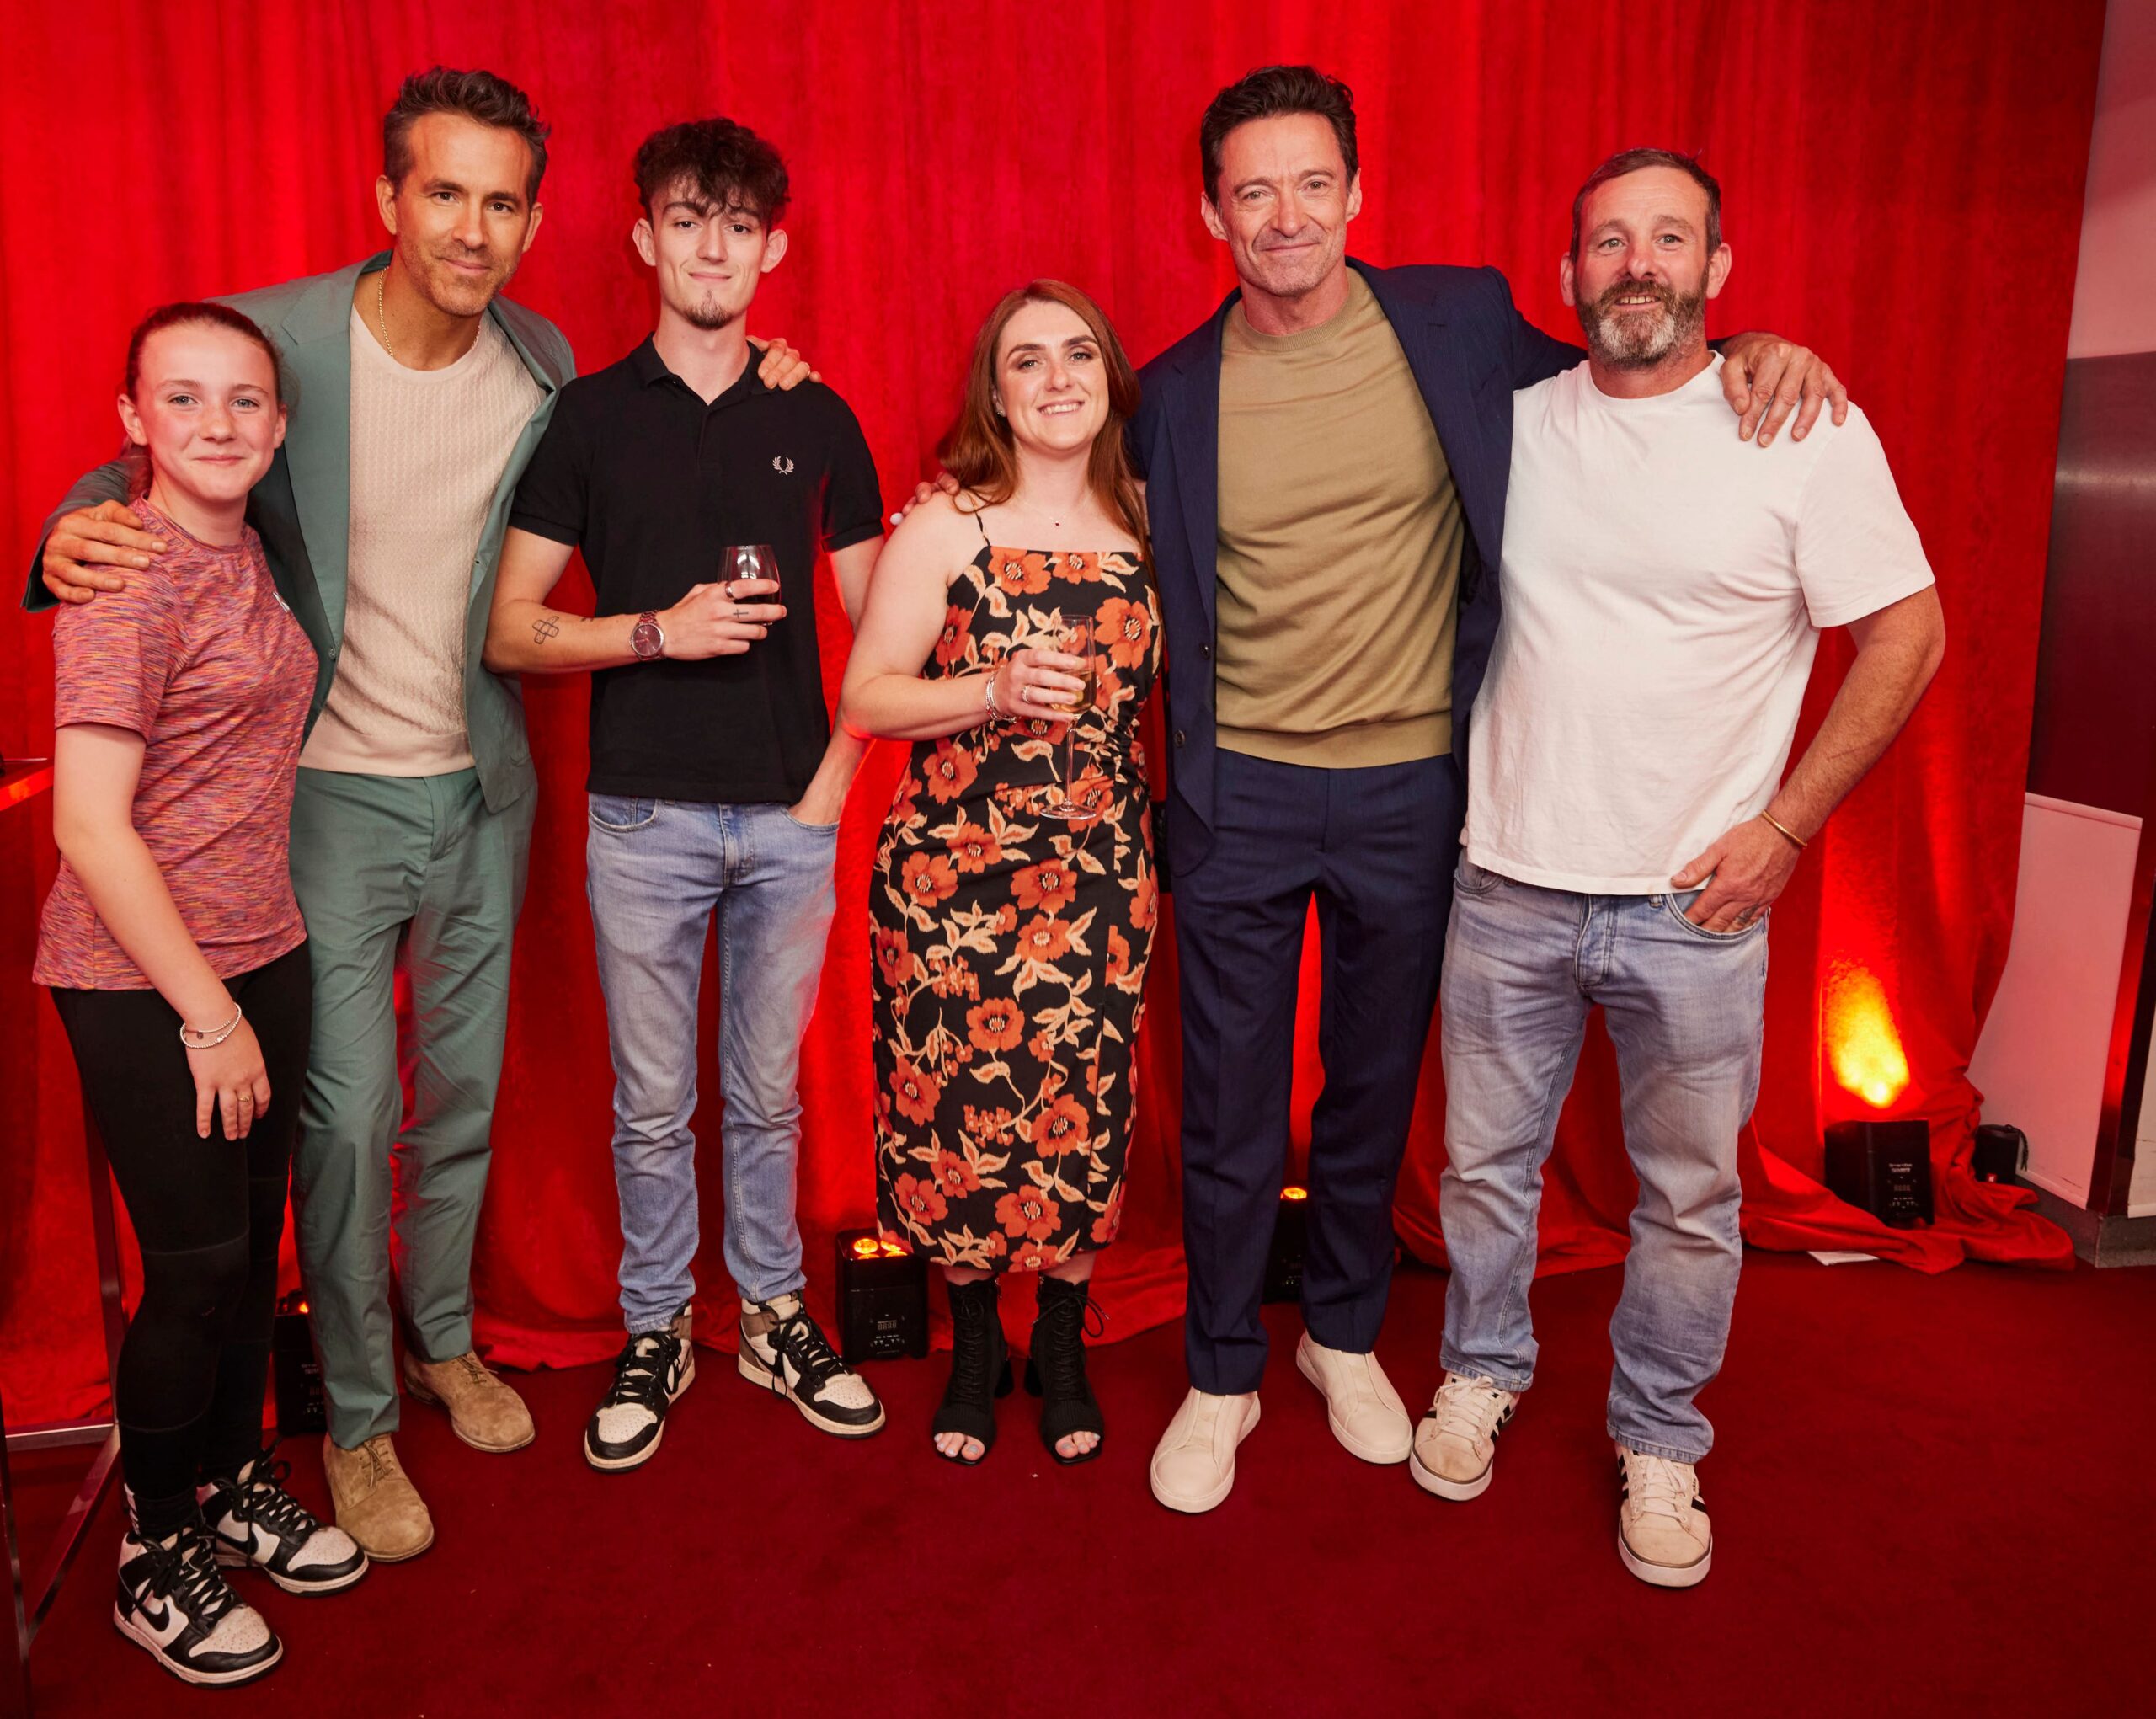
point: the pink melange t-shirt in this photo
(200, 657)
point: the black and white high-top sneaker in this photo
(254, 1521)
(174, 1602)
(653, 1368)
(785, 1351)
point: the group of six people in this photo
(1491, 646)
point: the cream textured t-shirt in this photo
(1664, 586)
(1338, 549)
(429, 448)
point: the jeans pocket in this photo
(620, 814)
(1469, 878)
(1675, 906)
(830, 828)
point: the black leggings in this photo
(208, 1215)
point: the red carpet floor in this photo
(1931, 1495)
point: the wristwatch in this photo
(647, 638)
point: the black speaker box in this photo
(297, 1373)
(882, 1298)
(1283, 1260)
(1884, 1167)
(1999, 1153)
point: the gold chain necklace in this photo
(381, 312)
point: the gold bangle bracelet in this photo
(1786, 830)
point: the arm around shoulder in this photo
(74, 553)
(884, 696)
(1533, 356)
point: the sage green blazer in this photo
(302, 509)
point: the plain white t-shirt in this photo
(1664, 585)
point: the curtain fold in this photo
(1904, 189)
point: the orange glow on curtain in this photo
(1862, 1046)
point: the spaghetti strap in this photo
(975, 517)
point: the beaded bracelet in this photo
(209, 1038)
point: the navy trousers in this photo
(1376, 847)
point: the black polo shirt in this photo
(651, 483)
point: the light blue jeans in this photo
(1686, 1011)
(656, 871)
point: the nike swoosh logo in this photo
(165, 1624)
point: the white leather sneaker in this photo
(1663, 1532)
(1456, 1445)
(1194, 1463)
(1362, 1409)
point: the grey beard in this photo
(1623, 344)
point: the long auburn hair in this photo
(978, 449)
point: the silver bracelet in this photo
(208, 1038)
(988, 694)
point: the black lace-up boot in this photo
(980, 1369)
(1055, 1372)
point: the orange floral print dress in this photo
(1011, 947)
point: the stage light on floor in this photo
(1999, 1154)
(297, 1373)
(1283, 1260)
(882, 1298)
(1884, 1167)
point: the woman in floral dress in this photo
(1011, 943)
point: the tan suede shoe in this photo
(377, 1502)
(484, 1412)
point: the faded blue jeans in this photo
(656, 871)
(1686, 1011)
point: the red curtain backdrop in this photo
(1903, 191)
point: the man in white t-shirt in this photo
(1628, 823)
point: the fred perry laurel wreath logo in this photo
(780, 463)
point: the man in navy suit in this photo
(1326, 462)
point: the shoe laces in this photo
(1065, 1319)
(475, 1370)
(1654, 1486)
(261, 1496)
(380, 1459)
(801, 1340)
(640, 1372)
(1468, 1408)
(183, 1569)
(973, 1323)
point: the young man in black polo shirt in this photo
(716, 779)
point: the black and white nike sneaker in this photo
(655, 1368)
(785, 1351)
(254, 1521)
(174, 1601)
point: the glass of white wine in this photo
(1074, 639)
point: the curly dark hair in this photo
(1266, 93)
(727, 165)
(479, 96)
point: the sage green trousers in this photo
(387, 870)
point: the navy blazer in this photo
(1470, 347)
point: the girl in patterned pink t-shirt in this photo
(178, 964)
